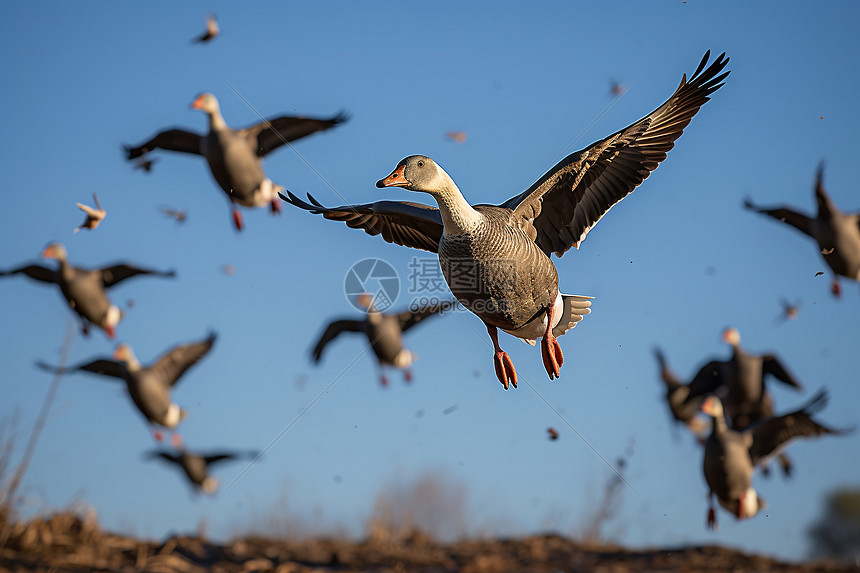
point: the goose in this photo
(148, 385)
(84, 289)
(384, 333)
(94, 215)
(210, 33)
(496, 258)
(676, 397)
(731, 456)
(837, 233)
(196, 465)
(742, 380)
(235, 155)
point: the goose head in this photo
(206, 102)
(125, 354)
(732, 336)
(209, 484)
(55, 251)
(713, 407)
(420, 173)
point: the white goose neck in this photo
(458, 216)
(216, 121)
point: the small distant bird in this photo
(94, 216)
(552, 434)
(84, 289)
(790, 311)
(210, 33)
(177, 214)
(384, 332)
(616, 89)
(196, 466)
(837, 233)
(732, 456)
(229, 270)
(457, 136)
(145, 164)
(149, 386)
(235, 155)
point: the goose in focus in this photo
(94, 215)
(84, 289)
(235, 155)
(496, 258)
(384, 333)
(731, 456)
(210, 33)
(196, 465)
(149, 386)
(837, 233)
(676, 397)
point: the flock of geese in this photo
(496, 261)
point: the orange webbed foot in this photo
(505, 371)
(552, 355)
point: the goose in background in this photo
(196, 465)
(837, 233)
(235, 155)
(148, 385)
(496, 259)
(94, 215)
(731, 456)
(683, 411)
(211, 31)
(384, 333)
(84, 289)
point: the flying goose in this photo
(235, 155)
(84, 289)
(837, 233)
(731, 456)
(196, 466)
(94, 215)
(210, 33)
(496, 259)
(384, 333)
(149, 386)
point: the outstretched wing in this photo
(797, 220)
(173, 365)
(170, 140)
(773, 434)
(271, 134)
(771, 365)
(410, 318)
(118, 273)
(37, 272)
(332, 332)
(103, 366)
(404, 223)
(559, 210)
(706, 381)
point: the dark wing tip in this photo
(342, 117)
(211, 337)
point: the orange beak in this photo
(396, 179)
(708, 406)
(198, 103)
(49, 253)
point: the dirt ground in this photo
(65, 542)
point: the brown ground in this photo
(64, 542)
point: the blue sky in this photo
(672, 265)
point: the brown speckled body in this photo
(497, 272)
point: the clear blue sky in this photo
(673, 264)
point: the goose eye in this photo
(420, 164)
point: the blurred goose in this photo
(496, 259)
(384, 333)
(149, 386)
(94, 215)
(731, 456)
(196, 466)
(210, 33)
(84, 289)
(235, 155)
(682, 411)
(837, 233)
